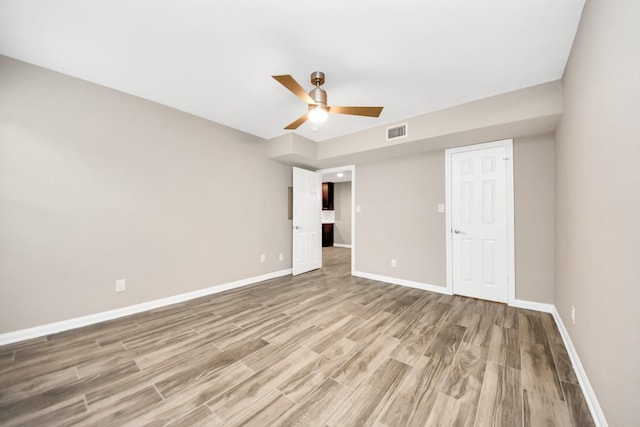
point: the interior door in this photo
(307, 223)
(479, 223)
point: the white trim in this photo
(511, 226)
(342, 245)
(585, 385)
(532, 305)
(447, 204)
(352, 169)
(78, 322)
(511, 260)
(353, 219)
(403, 282)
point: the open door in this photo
(307, 224)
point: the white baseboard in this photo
(585, 385)
(78, 322)
(532, 305)
(403, 282)
(341, 245)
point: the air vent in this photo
(396, 132)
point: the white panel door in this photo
(307, 224)
(479, 223)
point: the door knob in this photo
(457, 231)
(298, 228)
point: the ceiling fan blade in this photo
(357, 111)
(289, 82)
(298, 122)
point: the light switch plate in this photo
(441, 207)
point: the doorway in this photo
(480, 232)
(340, 219)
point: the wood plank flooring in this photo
(320, 349)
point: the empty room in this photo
(364, 213)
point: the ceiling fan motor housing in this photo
(317, 94)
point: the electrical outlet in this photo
(394, 263)
(281, 257)
(441, 207)
(121, 285)
(573, 315)
(263, 258)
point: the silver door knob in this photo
(298, 228)
(457, 231)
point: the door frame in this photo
(352, 169)
(511, 272)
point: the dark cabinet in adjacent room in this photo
(327, 235)
(327, 196)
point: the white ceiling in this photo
(333, 176)
(215, 59)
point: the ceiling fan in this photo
(317, 101)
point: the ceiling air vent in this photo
(396, 132)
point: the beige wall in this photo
(534, 183)
(342, 206)
(399, 218)
(598, 204)
(96, 185)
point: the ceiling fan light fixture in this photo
(316, 99)
(318, 114)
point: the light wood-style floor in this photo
(321, 349)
